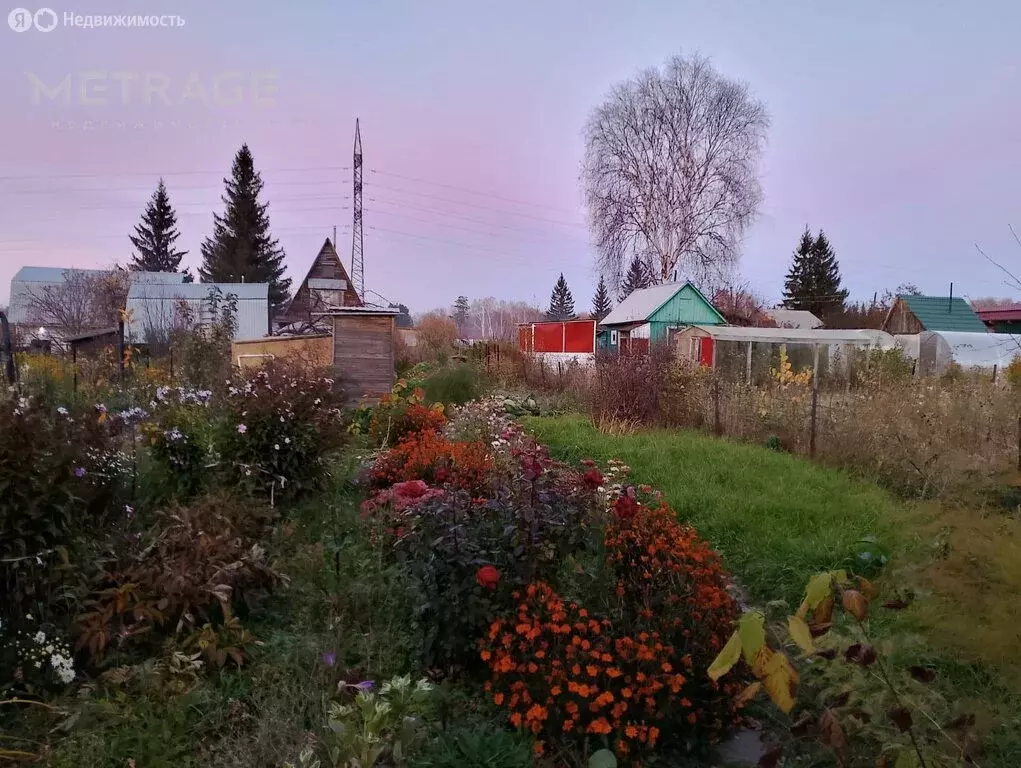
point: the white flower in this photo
(62, 411)
(276, 446)
(28, 616)
(287, 440)
(38, 665)
(39, 637)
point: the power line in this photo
(510, 227)
(158, 174)
(218, 188)
(470, 191)
(476, 205)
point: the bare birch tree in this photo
(670, 171)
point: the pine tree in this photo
(601, 305)
(155, 235)
(561, 302)
(241, 248)
(637, 277)
(813, 280)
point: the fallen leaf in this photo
(922, 674)
(901, 718)
(831, 732)
(855, 604)
(800, 633)
(727, 658)
(867, 588)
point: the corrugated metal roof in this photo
(243, 291)
(51, 274)
(942, 313)
(1003, 314)
(642, 303)
(794, 318)
(799, 335)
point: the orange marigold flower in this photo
(537, 748)
(600, 726)
(556, 690)
(613, 672)
(576, 670)
(592, 670)
(498, 699)
(571, 707)
(540, 654)
(653, 734)
(631, 732)
(515, 719)
(692, 718)
(486, 655)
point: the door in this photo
(705, 358)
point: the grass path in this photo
(777, 519)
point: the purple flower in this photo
(79, 472)
(242, 429)
(364, 685)
(329, 658)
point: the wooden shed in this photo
(363, 349)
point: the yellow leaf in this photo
(727, 659)
(778, 676)
(752, 629)
(819, 588)
(748, 694)
(800, 633)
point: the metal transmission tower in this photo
(357, 240)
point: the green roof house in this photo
(914, 314)
(650, 314)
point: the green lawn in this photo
(777, 519)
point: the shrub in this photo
(477, 746)
(182, 439)
(628, 387)
(185, 578)
(457, 385)
(282, 422)
(431, 457)
(400, 415)
(59, 471)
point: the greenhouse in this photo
(753, 354)
(934, 351)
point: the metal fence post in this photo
(815, 399)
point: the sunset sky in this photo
(896, 127)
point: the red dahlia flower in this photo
(487, 576)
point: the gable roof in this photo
(327, 265)
(642, 304)
(943, 313)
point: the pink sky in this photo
(894, 128)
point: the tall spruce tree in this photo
(155, 236)
(601, 305)
(637, 277)
(561, 302)
(241, 248)
(813, 280)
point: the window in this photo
(614, 338)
